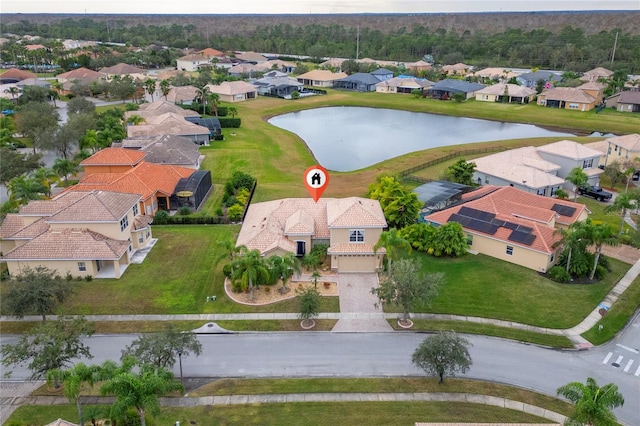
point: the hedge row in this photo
(229, 123)
(193, 220)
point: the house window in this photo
(124, 223)
(135, 210)
(82, 267)
(356, 236)
(574, 106)
(140, 239)
(553, 256)
(509, 250)
(542, 191)
(587, 163)
(148, 233)
(486, 179)
(470, 239)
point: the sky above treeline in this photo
(307, 6)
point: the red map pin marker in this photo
(316, 179)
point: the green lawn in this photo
(327, 413)
(478, 285)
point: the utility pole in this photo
(615, 44)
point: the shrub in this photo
(184, 211)
(235, 212)
(230, 201)
(458, 97)
(295, 95)
(559, 274)
(131, 107)
(88, 278)
(222, 111)
(161, 218)
(229, 123)
(319, 250)
(242, 180)
(218, 211)
(226, 270)
(242, 196)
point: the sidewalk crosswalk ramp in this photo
(624, 362)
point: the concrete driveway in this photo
(358, 305)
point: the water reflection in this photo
(350, 138)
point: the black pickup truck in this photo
(595, 192)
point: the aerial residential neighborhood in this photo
(171, 217)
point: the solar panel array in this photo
(486, 222)
(563, 210)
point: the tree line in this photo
(568, 49)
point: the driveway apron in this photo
(358, 307)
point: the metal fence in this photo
(408, 174)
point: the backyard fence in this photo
(408, 174)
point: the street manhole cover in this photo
(615, 364)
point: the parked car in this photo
(8, 112)
(595, 192)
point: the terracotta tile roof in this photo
(522, 208)
(322, 75)
(601, 146)
(182, 94)
(142, 221)
(97, 206)
(145, 179)
(81, 73)
(114, 157)
(168, 123)
(14, 227)
(299, 223)
(158, 108)
(629, 97)
(629, 142)
(251, 56)
(351, 248)
(567, 94)
(355, 211)
(209, 52)
(592, 85)
(69, 244)
(569, 149)
(196, 57)
(122, 69)
(267, 223)
(61, 422)
(512, 90)
(244, 69)
(50, 207)
(596, 73)
(412, 82)
(17, 74)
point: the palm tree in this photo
(598, 235)
(13, 91)
(393, 244)
(232, 111)
(46, 177)
(165, 88)
(622, 204)
(202, 96)
(249, 268)
(65, 167)
(73, 380)
(289, 265)
(314, 276)
(150, 86)
(135, 120)
(230, 248)
(214, 99)
(593, 404)
(578, 178)
(140, 390)
(571, 239)
(23, 189)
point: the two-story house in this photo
(78, 234)
(349, 226)
(538, 170)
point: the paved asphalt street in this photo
(385, 354)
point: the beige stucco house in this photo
(508, 93)
(234, 91)
(320, 78)
(79, 234)
(621, 148)
(513, 225)
(567, 98)
(403, 85)
(350, 226)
